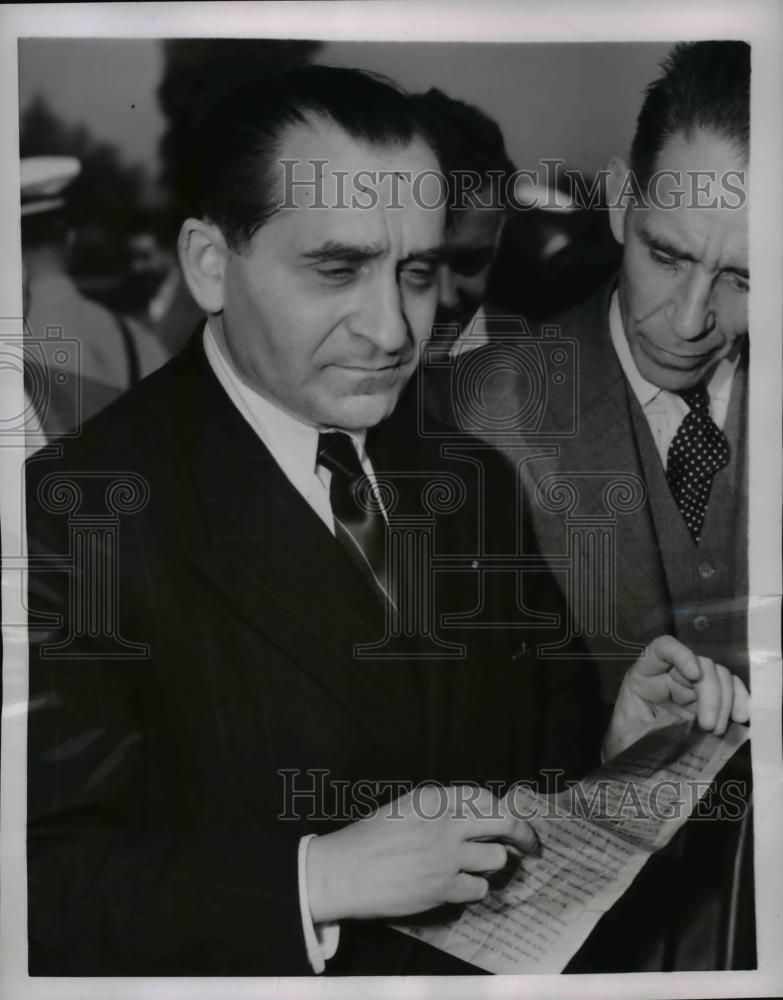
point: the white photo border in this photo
(756, 21)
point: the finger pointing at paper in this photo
(670, 673)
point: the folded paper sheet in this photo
(595, 838)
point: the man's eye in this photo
(338, 274)
(419, 277)
(664, 259)
(736, 282)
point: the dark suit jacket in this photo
(157, 772)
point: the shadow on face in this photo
(471, 244)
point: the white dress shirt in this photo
(666, 410)
(294, 446)
(474, 335)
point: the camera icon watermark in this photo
(49, 367)
(526, 384)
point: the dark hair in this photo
(466, 139)
(704, 85)
(235, 145)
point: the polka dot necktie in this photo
(359, 524)
(699, 450)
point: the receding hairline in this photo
(691, 134)
(315, 125)
(317, 122)
(300, 132)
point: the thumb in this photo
(666, 652)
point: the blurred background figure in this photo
(555, 251)
(474, 159)
(153, 296)
(152, 272)
(515, 247)
(80, 356)
(101, 264)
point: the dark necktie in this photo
(359, 523)
(699, 450)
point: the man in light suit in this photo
(219, 767)
(674, 320)
(652, 402)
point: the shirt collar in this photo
(292, 442)
(474, 333)
(718, 384)
(644, 391)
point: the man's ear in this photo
(203, 254)
(616, 190)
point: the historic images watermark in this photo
(311, 184)
(314, 794)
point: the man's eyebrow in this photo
(671, 250)
(663, 246)
(359, 252)
(335, 250)
(431, 256)
(741, 272)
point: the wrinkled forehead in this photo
(712, 233)
(697, 196)
(698, 169)
(319, 164)
(694, 225)
(332, 186)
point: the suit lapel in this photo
(277, 565)
(605, 443)
(450, 687)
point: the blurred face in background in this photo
(472, 240)
(149, 263)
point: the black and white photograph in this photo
(390, 483)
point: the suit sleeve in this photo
(570, 717)
(126, 875)
(562, 719)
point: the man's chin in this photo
(362, 411)
(674, 379)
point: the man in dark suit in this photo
(235, 686)
(626, 417)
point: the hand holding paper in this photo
(668, 672)
(595, 838)
(435, 845)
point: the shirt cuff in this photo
(321, 940)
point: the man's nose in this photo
(383, 320)
(691, 312)
(447, 288)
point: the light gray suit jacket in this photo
(555, 401)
